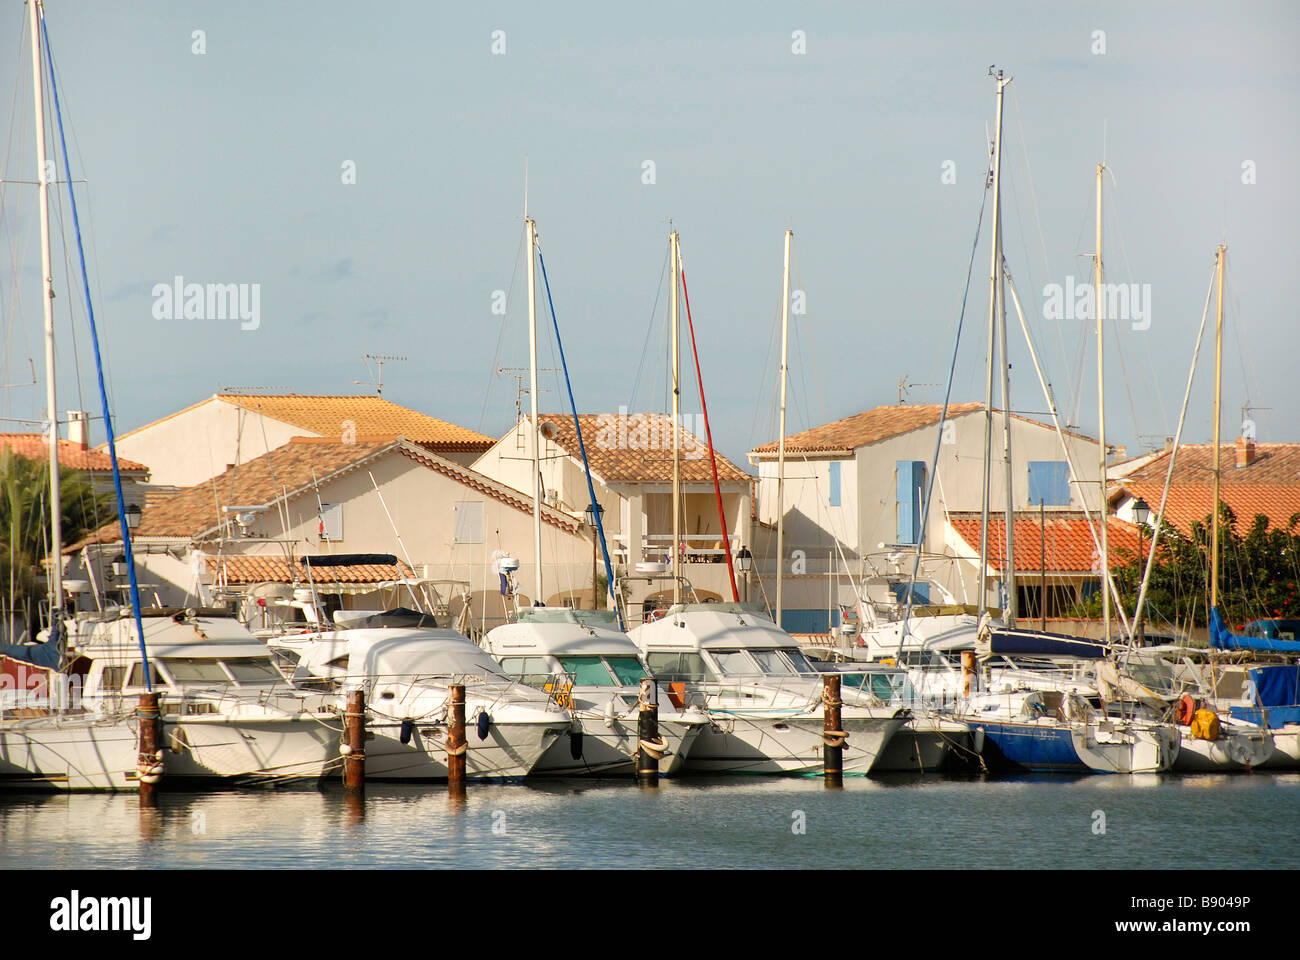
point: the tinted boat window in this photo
(534, 671)
(798, 659)
(628, 670)
(587, 671)
(736, 663)
(253, 670)
(678, 666)
(189, 670)
(772, 662)
(137, 675)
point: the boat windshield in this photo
(534, 671)
(194, 670)
(772, 662)
(678, 666)
(797, 658)
(628, 670)
(587, 671)
(736, 663)
(253, 670)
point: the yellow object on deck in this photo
(1205, 725)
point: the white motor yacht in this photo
(597, 671)
(406, 673)
(764, 697)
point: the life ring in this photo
(1186, 709)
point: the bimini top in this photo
(603, 618)
(1223, 639)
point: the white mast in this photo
(538, 595)
(47, 271)
(1102, 509)
(1218, 388)
(995, 270)
(780, 456)
(677, 440)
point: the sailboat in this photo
(227, 716)
(1061, 726)
(582, 656)
(763, 695)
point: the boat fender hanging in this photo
(575, 744)
(655, 749)
(408, 727)
(484, 724)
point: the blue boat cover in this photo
(1276, 686)
(1270, 717)
(1223, 639)
(1036, 643)
(45, 654)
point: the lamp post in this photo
(593, 514)
(744, 562)
(1141, 513)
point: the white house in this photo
(320, 496)
(855, 493)
(227, 429)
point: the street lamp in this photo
(1141, 513)
(133, 515)
(592, 515)
(744, 563)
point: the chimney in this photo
(1245, 451)
(79, 428)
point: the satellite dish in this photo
(649, 567)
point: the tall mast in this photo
(995, 270)
(1008, 475)
(47, 271)
(1102, 509)
(531, 227)
(1218, 387)
(677, 440)
(780, 456)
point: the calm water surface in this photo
(903, 821)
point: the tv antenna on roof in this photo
(378, 382)
(905, 385)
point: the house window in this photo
(469, 521)
(1049, 483)
(835, 483)
(911, 498)
(331, 521)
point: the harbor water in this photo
(881, 822)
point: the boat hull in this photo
(609, 748)
(741, 742)
(922, 745)
(68, 755)
(1123, 748)
(510, 750)
(1236, 751)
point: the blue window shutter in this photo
(1049, 482)
(805, 621)
(911, 494)
(835, 483)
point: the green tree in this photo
(1259, 570)
(24, 524)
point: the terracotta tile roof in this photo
(242, 570)
(1269, 486)
(1188, 504)
(638, 448)
(844, 436)
(369, 415)
(35, 446)
(298, 467)
(1068, 542)
(1275, 465)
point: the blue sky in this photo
(226, 167)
